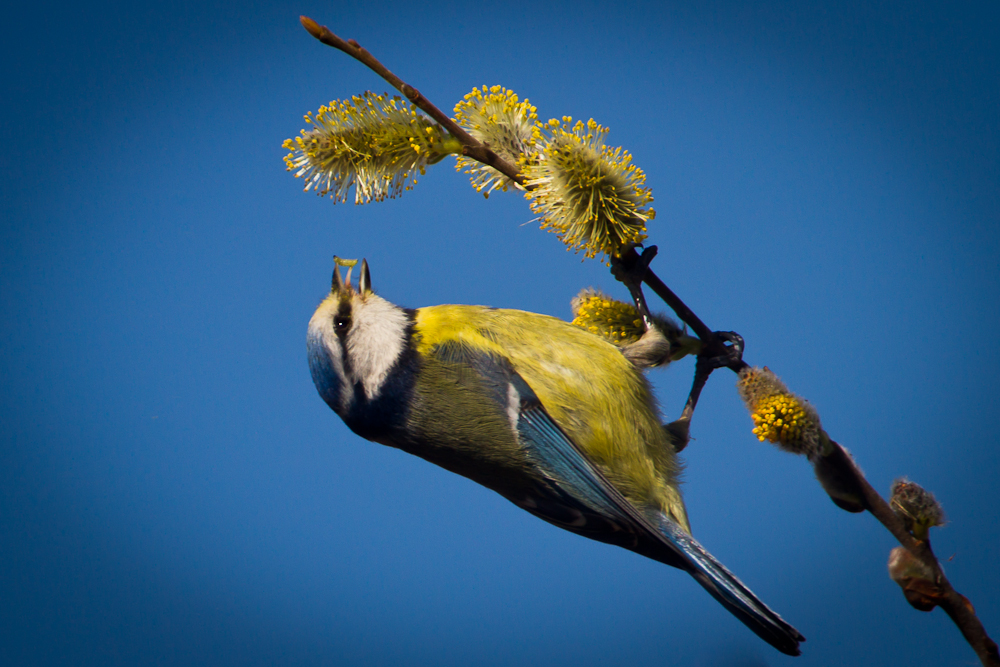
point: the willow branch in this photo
(954, 604)
(475, 149)
(471, 146)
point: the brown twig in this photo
(472, 147)
(954, 604)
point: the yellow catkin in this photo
(374, 143)
(588, 193)
(616, 321)
(499, 119)
(779, 416)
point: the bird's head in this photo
(355, 338)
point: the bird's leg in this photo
(653, 348)
(631, 275)
(702, 369)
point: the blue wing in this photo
(574, 494)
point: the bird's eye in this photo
(341, 323)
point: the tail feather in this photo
(730, 591)
(584, 491)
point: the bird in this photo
(552, 417)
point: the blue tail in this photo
(583, 490)
(727, 589)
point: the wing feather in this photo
(573, 493)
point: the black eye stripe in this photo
(342, 320)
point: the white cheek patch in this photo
(375, 342)
(322, 340)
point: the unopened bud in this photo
(915, 578)
(916, 507)
(838, 475)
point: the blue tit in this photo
(550, 416)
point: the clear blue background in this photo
(173, 490)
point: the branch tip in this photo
(311, 26)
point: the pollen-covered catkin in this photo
(779, 416)
(589, 194)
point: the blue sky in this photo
(173, 490)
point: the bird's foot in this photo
(733, 355)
